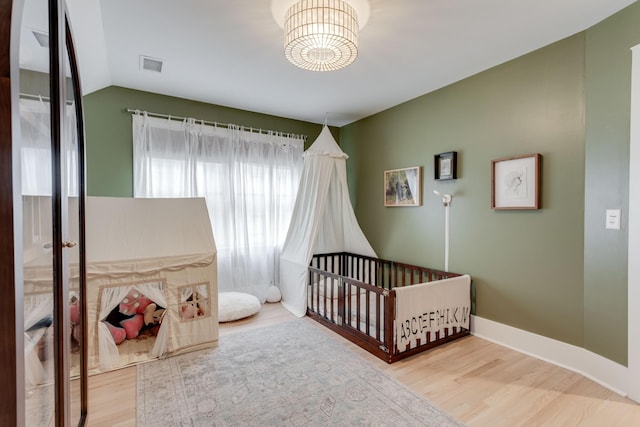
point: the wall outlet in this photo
(613, 219)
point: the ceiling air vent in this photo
(42, 38)
(151, 64)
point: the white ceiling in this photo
(230, 52)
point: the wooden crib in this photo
(356, 297)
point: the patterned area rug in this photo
(289, 374)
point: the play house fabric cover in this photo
(162, 248)
(323, 220)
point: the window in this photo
(35, 126)
(250, 181)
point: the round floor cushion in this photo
(236, 305)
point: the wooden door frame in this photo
(11, 303)
(84, 333)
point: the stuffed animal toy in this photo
(74, 317)
(153, 314)
(134, 302)
(148, 313)
(133, 325)
(74, 311)
(118, 334)
(190, 310)
(158, 315)
(143, 303)
(130, 303)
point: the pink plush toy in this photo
(188, 311)
(133, 325)
(74, 317)
(130, 303)
(74, 312)
(118, 333)
(143, 303)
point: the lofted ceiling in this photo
(230, 52)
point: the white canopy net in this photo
(323, 220)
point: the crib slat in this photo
(367, 304)
(317, 293)
(348, 299)
(335, 311)
(379, 324)
(324, 300)
(358, 295)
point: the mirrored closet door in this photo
(36, 192)
(42, 149)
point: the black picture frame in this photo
(445, 166)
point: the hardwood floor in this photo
(478, 382)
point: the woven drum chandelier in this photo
(321, 35)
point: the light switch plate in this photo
(613, 219)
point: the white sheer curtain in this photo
(107, 349)
(155, 292)
(35, 125)
(249, 180)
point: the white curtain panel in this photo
(35, 126)
(155, 292)
(248, 179)
(107, 349)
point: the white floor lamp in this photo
(446, 201)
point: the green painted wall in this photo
(34, 83)
(110, 141)
(555, 272)
(527, 266)
(608, 88)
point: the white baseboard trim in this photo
(595, 367)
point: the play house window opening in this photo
(121, 320)
(194, 302)
(135, 316)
